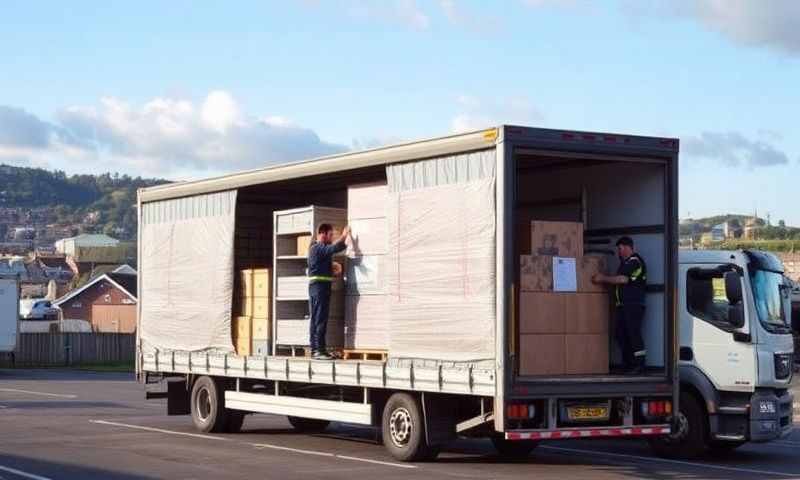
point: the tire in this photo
(691, 441)
(514, 449)
(403, 430)
(209, 414)
(308, 425)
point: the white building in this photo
(68, 246)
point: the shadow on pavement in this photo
(57, 470)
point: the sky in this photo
(187, 90)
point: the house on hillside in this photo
(107, 302)
(69, 246)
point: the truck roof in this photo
(765, 260)
(446, 145)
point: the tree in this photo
(781, 224)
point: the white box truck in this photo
(453, 359)
(736, 352)
(9, 314)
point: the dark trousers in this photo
(319, 294)
(628, 330)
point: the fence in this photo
(58, 349)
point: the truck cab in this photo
(736, 351)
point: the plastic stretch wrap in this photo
(187, 273)
(442, 258)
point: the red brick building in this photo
(107, 302)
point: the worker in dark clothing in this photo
(630, 284)
(320, 276)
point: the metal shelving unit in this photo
(290, 299)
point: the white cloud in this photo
(749, 22)
(733, 149)
(476, 113)
(164, 137)
(755, 23)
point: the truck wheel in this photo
(403, 428)
(308, 425)
(209, 414)
(690, 439)
(514, 448)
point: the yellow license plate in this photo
(587, 413)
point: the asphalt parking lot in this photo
(64, 424)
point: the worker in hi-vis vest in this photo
(630, 285)
(321, 272)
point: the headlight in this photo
(783, 366)
(767, 406)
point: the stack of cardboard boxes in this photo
(366, 301)
(251, 323)
(563, 316)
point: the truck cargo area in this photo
(576, 205)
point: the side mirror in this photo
(736, 315)
(733, 287)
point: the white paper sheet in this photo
(565, 274)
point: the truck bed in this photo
(441, 378)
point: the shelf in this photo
(291, 299)
(292, 257)
(307, 231)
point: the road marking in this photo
(296, 450)
(158, 430)
(787, 443)
(3, 406)
(390, 464)
(59, 395)
(23, 474)
(257, 445)
(675, 462)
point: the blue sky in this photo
(193, 89)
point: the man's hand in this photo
(346, 231)
(598, 278)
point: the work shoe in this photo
(321, 356)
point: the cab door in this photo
(720, 328)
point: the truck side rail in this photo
(465, 380)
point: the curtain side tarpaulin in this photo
(187, 272)
(441, 216)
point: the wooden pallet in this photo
(356, 354)
(302, 351)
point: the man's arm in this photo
(624, 278)
(610, 279)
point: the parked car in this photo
(37, 309)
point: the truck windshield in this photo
(769, 297)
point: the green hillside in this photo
(73, 196)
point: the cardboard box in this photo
(255, 282)
(366, 322)
(542, 312)
(242, 327)
(587, 354)
(587, 313)
(303, 242)
(242, 345)
(369, 237)
(560, 239)
(536, 273)
(588, 266)
(243, 306)
(367, 201)
(542, 354)
(261, 328)
(260, 347)
(366, 275)
(261, 308)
